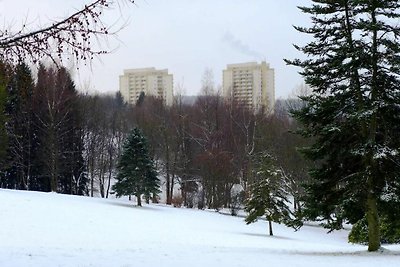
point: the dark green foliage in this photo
(59, 126)
(353, 113)
(72, 171)
(20, 128)
(268, 196)
(390, 231)
(44, 139)
(141, 98)
(359, 232)
(3, 120)
(136, 172)
(119, 101)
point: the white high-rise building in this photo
(250, 84)
(150, 81)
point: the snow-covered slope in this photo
(47, 229)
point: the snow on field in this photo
(47, 230)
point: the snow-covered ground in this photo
(47, 229)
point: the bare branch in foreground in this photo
(70, 38)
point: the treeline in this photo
(209, 148)
(55, 139)
(41, 131)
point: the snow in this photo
(385, 152)
(48, 229)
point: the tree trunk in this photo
(171, 192)
(53, 175)
(139, 200)
(91, 183)
(373, 223)
(102, 166)
(109, 180)
(372, 209)
(183, 193)
(270, 228)
(167, 167)
(168, 184)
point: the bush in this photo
(359, 232)
(177, 201)
(390, 231)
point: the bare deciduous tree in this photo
(72, 37)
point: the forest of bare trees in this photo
(63, 141)
(203, 149)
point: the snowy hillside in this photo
(47, 229)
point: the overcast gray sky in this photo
(185, 36)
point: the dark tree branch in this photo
(71, 37)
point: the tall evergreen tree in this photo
(72, 168)
(39, 180)
(20, 127)
(58, 120)
(5, 73)
(3, 120)
(136, 172)
(353, 68)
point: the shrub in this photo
(177, 201)
(359, 232)
(390, 231)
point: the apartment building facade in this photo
(150, 81)
(250, 84)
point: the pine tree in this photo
(20, 126)
(58, 126)
(353, 113)
(5, 71)
(3, 120)
(268, 196)
(40, 179)
(69, 136)
(136, 172)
